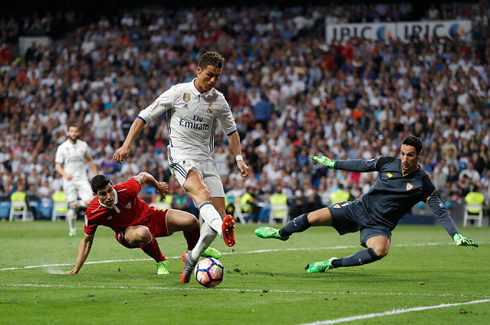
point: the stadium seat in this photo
(278, 211)
(238, 214)
(18, 207)
(60, 207)
(473, 212)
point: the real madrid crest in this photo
(210, 108)
(186, 97)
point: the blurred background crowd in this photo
(292, 95)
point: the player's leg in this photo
(71, 196)
(228, 223)
(199, 192)
(301, 223)
(177, 220)
(141, 236)
(377, 243)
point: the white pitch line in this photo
(240, 290)
(233, 253)
(394, 312)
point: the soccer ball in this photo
(209, 272)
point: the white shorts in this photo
(206, 169)
(75, 189)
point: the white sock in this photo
(211, 216)
(71, 216)
(207, 237)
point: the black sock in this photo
(298, 224)
(365, 256)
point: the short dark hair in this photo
(72, 125)
(213, 59)
(414, 142)
(99, 182)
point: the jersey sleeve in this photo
(162, 104)
(436, 205)
(226, 120)
(359, 165)
(59, 157)
(85, 152)
(90, 227)
(130, 189)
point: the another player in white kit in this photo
(70, 163)
(192, 110)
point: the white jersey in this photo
(191, 120)
(72, 158)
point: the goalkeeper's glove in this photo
(325, 161)
(463, 241)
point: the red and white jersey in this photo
(128, 209)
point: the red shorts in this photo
(157, 224)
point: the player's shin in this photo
(192, 237)
(72, 219)
(365, 256)
(207, 237)
(211, 216)
(298, 224)
(153, 250)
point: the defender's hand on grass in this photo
(463, 241)
(325, 161)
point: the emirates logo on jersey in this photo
(409, 186)
(128, 206)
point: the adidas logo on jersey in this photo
(185, 106)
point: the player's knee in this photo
(381, 251)
(142, 235)
(193, 222)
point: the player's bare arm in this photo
(60, 171)
(91, 163)
(122, 153)
(234, 140)
(147, 179)
(83, 251)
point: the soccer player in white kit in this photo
(70, 163)
(192, 110)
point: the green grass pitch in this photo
(425, 279)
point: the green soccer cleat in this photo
(211, 252)
(268, 232)
(162, 267)
(320, 267)
(73, 233)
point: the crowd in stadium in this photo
(292, 95)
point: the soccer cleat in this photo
(73, 233)
(162, 267)
(228, 234)
(211, 252)
(268, 232)
(318, 267)
(185, 277)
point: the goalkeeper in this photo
(399, 186)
